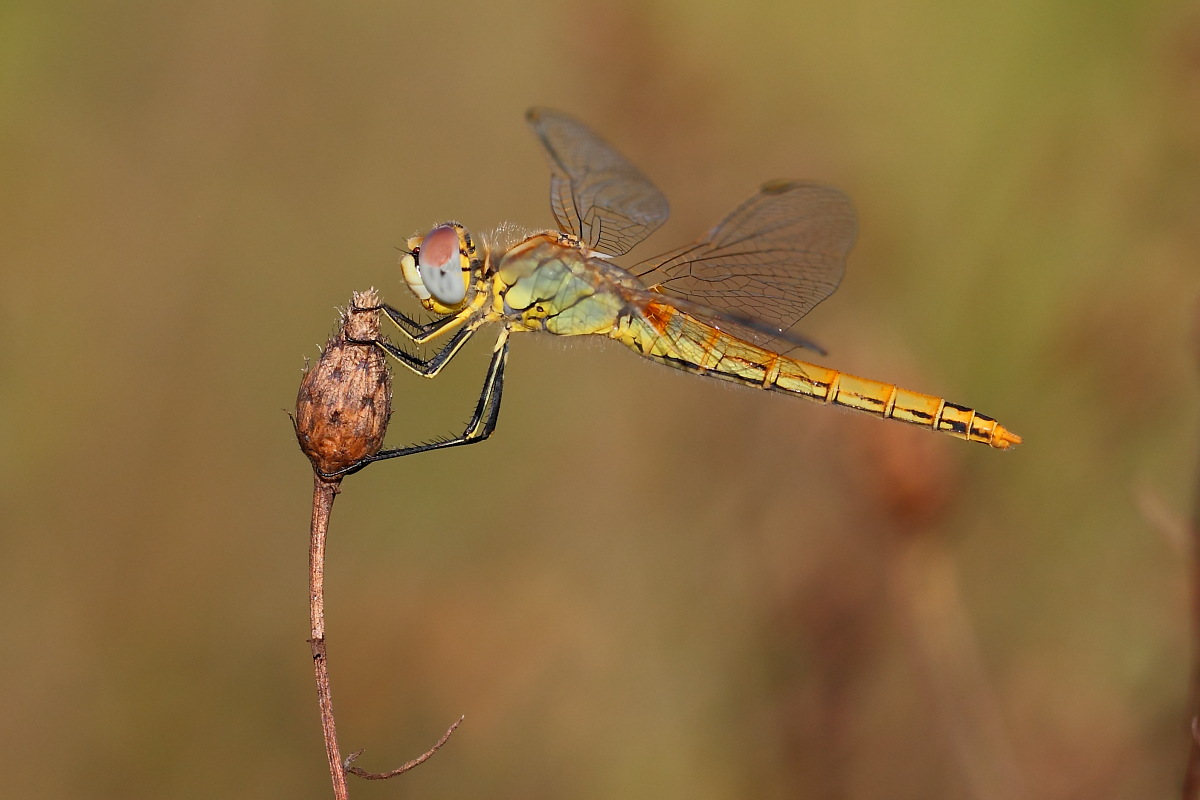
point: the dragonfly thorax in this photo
(438, 267)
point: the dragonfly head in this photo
(439, 266)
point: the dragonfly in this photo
(723, 306)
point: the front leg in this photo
(481, 425)
(422, 332)
(430, 367)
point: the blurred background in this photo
(645, 584)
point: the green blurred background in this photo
(646, 584)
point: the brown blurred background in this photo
(646, 584)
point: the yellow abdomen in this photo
(678, 340)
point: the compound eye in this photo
(442, 266)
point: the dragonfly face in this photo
(439, 267)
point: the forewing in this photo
(594, 192)
(765, 265)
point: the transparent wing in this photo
(765, 265)
(594, 192)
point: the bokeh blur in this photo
(645, 584)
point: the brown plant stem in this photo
(416, 762)
(324, 493)
(342, 410)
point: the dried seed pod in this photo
(345, 399)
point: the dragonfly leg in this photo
(427, 367)
(487, 409)
(419, 332)
(481, 426)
